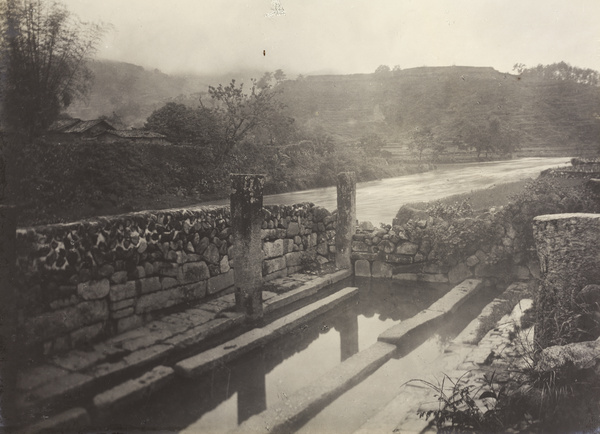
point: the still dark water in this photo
(219, 401)
(378, 201)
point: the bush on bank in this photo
(61, 182)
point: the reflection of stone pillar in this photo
(346, 219)
(348, 328)
(246, 221)
(252, 392)
(569, 254)
(8, 310)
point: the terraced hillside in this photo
(542, 113)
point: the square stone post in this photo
(568, 250)
(246, 223)
(346, 219)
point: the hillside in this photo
(543, 113)
(133, 93)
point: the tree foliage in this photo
(44, 53)
(486, 137)
(254, 116)
(423, 142)
(561, 71)
(184, 125)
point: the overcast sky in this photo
(344, 36)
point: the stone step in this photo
(308, 400)
(399, 334)
(79, 372)
(201, 363)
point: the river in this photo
(378, 201)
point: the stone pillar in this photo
(346, 219)
(8, 311)
(252, 389)
(246, 222)
(568, 248)
(348, 328)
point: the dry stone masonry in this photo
(81, 281)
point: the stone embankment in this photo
(404, 252)
(80, 282)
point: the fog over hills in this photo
(543, 113)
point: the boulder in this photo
(579, 355)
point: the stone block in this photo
(407, 249)
(73, 420)
(399, 259)
(119, 277)
(293, 229)
(359, 246)
(288, 245)
(194, 291)
(129, 323)
(86, 334)
(381, 270)
(59, 322)
(293, 259)
(123, 313)
(273, 265)
(386, 246)
(459, 273)
(362, 268)
(273, 250)
(276, 275)
(93, 290)
(211, 254)
(133, 390)
(149, 284)
(168, 282)
(218, 283)
(224, 265)
(472, 261)
(194, 272)
(118, 305)
(122, 291)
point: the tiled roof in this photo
(59, 125)
(83, 126)
(136, 134)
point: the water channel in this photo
(230, 394)
(378, 201)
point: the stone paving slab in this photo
(77, 370)
(132, 390)
(73, 420)
(310, 287)
(400, 333)
(203, 362)
(462, 358)
(308, 400)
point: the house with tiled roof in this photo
(137, 136)
(76, 129)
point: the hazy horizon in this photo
(343, 37)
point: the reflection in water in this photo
(232, 393)
(347, 325)
(378, 201)
(252, 393)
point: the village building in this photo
(136, 136)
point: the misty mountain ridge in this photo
(541, 112)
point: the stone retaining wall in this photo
(402, 252)
(80, 281)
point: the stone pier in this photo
(346, 220)
(569, 254)
(246, 221)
